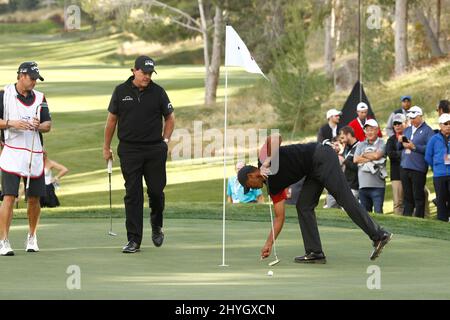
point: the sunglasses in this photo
(397, 123)
(447, 123)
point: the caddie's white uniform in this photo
(19, 144)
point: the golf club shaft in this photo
(271, 220)
(110, 202)
(30, 162)
(110, 195)
(31, 155)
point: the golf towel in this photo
(19, 144)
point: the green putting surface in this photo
(187, 265)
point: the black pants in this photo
(413, 183)
(442, 187)
(327, 173)
(148, 161)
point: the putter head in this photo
(112, 233)
(277, 261)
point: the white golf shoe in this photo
(31, 244)
(5, 248)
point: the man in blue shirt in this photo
(438, 157)
(413, 166)
(235, 191)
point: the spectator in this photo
(406, 105)
(413, 166)
(358, 123)
(50, 200)
(350, 168)
(394, 152)
(369, 156)
(331, 129)
(438, 157)
(235, 191)
(443, 107)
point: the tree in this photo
(332, 36)
(23, 5)
(430, 36)
(401, 36)
(296, 92)
(261, 25)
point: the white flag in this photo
(237, 54)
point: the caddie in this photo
(24, 116)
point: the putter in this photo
(27, 185)
(276, 261)
(111, 233)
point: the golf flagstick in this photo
(111, 233)
(27, 185)
(276, 261)
(224, 168)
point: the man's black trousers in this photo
(148, 162)
(413, 183)
(328, 174)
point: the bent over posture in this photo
(320, 164)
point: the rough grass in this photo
(44, 27)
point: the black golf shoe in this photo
(312, 257)
(380, 244)
(157, 236)
(131, 247)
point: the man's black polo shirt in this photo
(140, 113)
(295, 162)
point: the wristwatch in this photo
(166, 140)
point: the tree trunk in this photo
(330, 42)
(212, 77)
(431, 39)
(401, 36)
(205, 38)
(438, 19)
(443, 42)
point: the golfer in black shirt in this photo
(320, 164)
(138, 107)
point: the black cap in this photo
(144, 63)
(30, 68)
(242, 176)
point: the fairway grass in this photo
(187, 265)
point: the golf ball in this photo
(270, 273)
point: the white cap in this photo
(414, 112)
(399, 117)
(362, 106)
(445, 117)
(372, 123)
(332, 113)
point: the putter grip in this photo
(109, 166)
